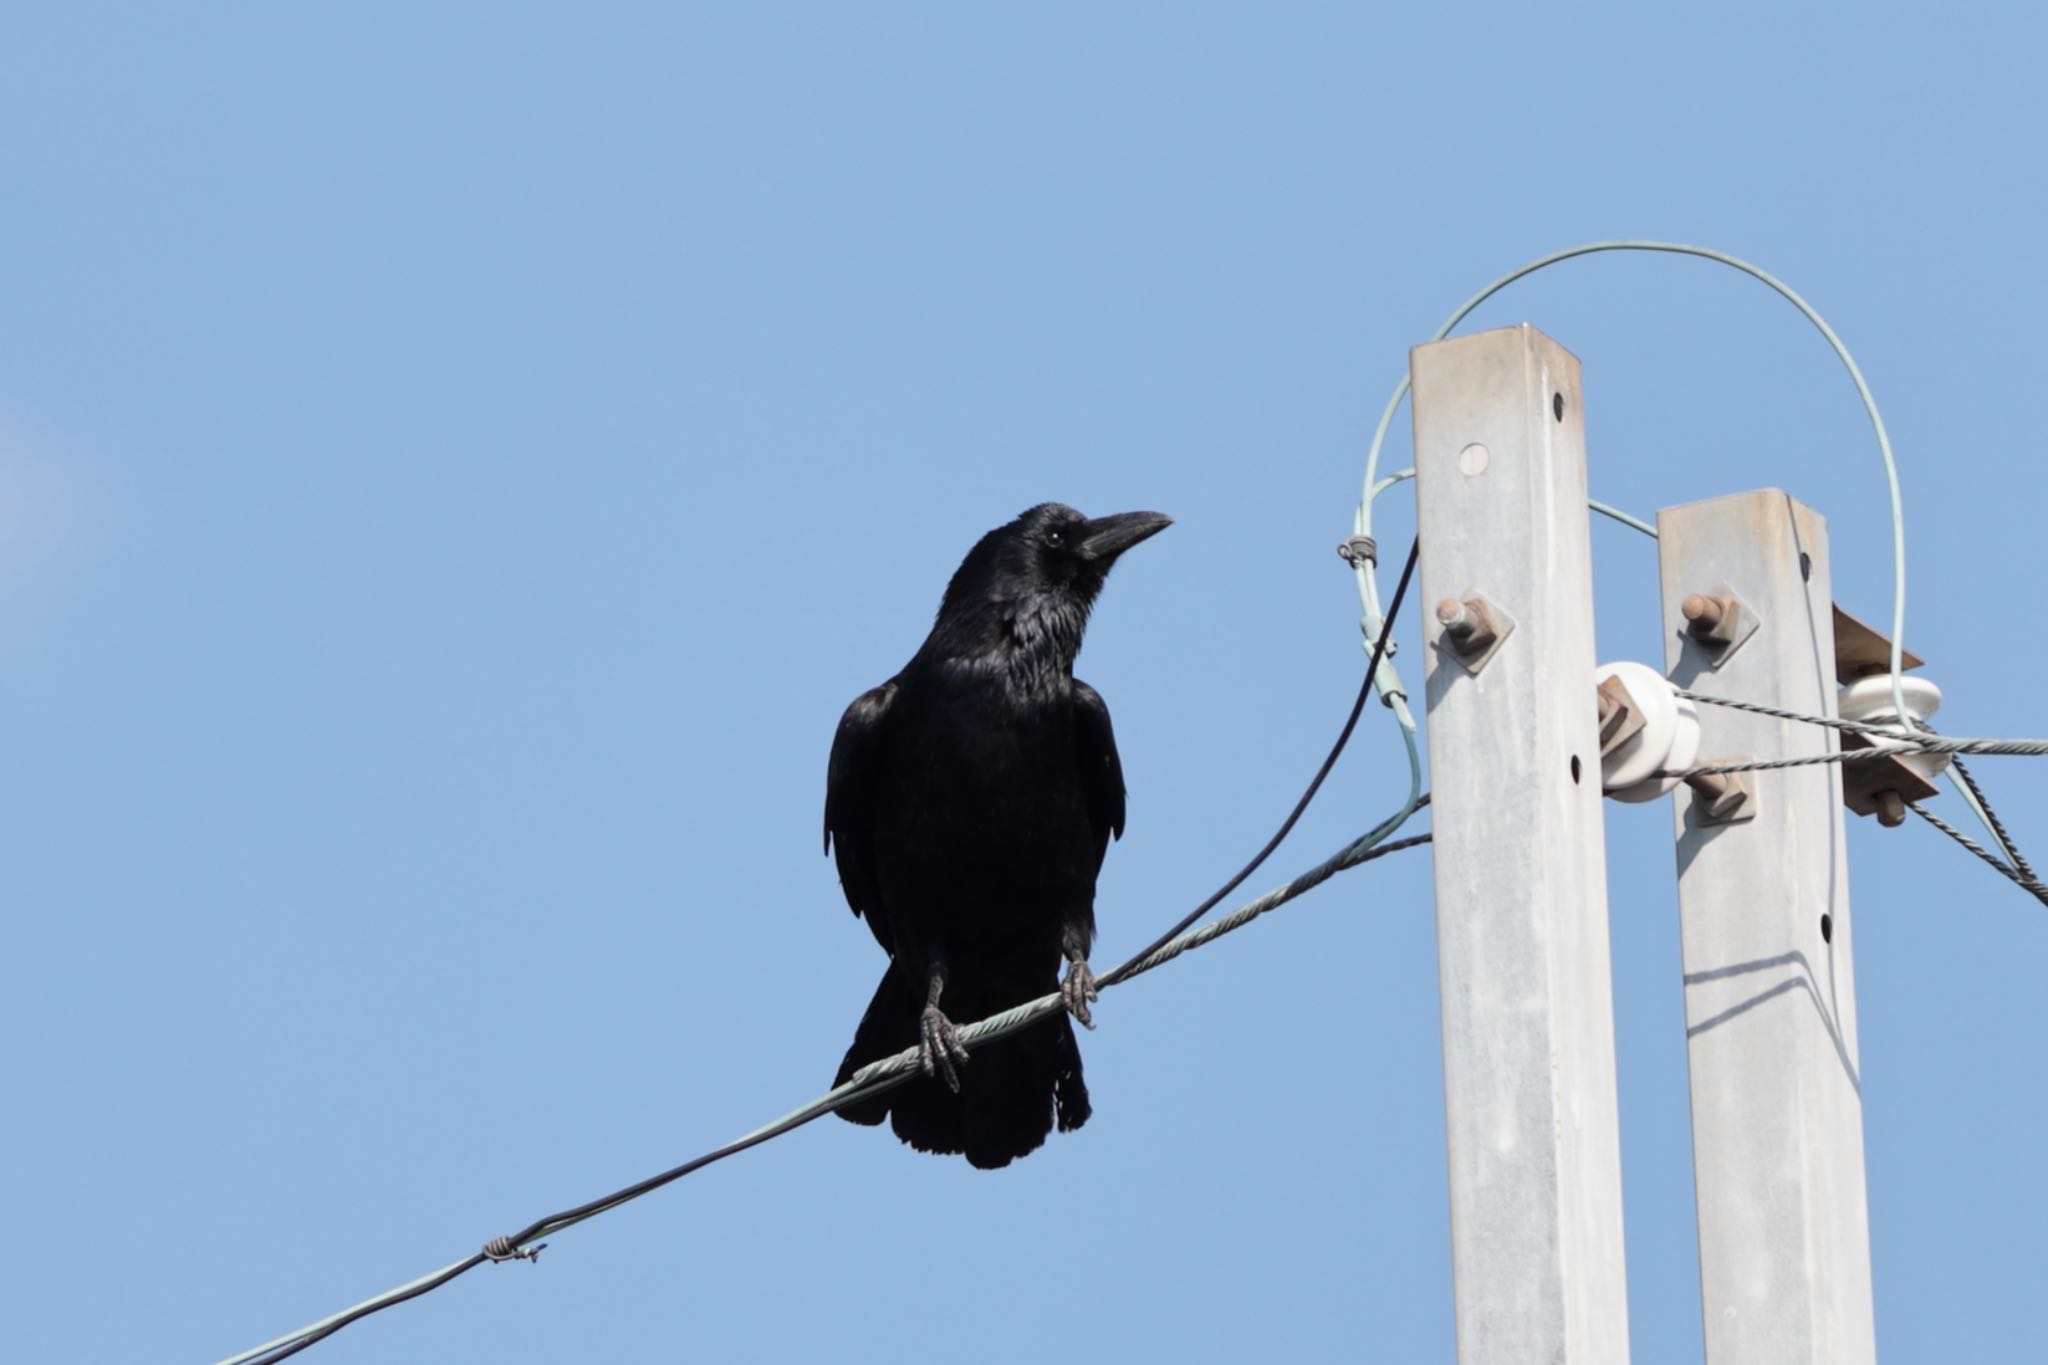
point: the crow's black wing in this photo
(1102, 772)
(849, 793)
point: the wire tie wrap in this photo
(502, 1249)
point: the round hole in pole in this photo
(1805, 567)
(1557, 406)
(1827, 927)
(1575, 770)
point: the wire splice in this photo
(503, 1249)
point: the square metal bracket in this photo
(1719, 622)
(1724, 798)
(1472, 630)
(1621, 717)
(1881, 786)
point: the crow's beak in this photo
(1104, 538)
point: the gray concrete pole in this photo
(1770, 993)
(1521, 891)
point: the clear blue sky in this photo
(456, 464)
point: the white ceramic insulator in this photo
(1870, 700)
(1668, 742)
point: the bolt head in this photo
(1891, 809)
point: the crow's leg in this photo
(939, 1047)
(1078, 988)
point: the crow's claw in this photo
(939, 1048)
(1078, 989)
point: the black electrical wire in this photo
(2026, 881)
(1379, 652)
(1962, 772)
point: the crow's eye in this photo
(1056, 538)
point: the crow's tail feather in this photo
(1012, 1091)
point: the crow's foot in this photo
(1078, 989)
(939, 1048)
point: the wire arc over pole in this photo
(1362, 521)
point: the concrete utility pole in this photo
(1770, 998)
(1521, 892)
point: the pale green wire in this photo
(1388, 682)
(1615, 513)
(1983, 816)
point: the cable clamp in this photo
(1356, 550)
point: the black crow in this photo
(970, 800)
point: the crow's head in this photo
(1050, 549)
(1030, 583)
(1067, 551)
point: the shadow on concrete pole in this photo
(1770, 991)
